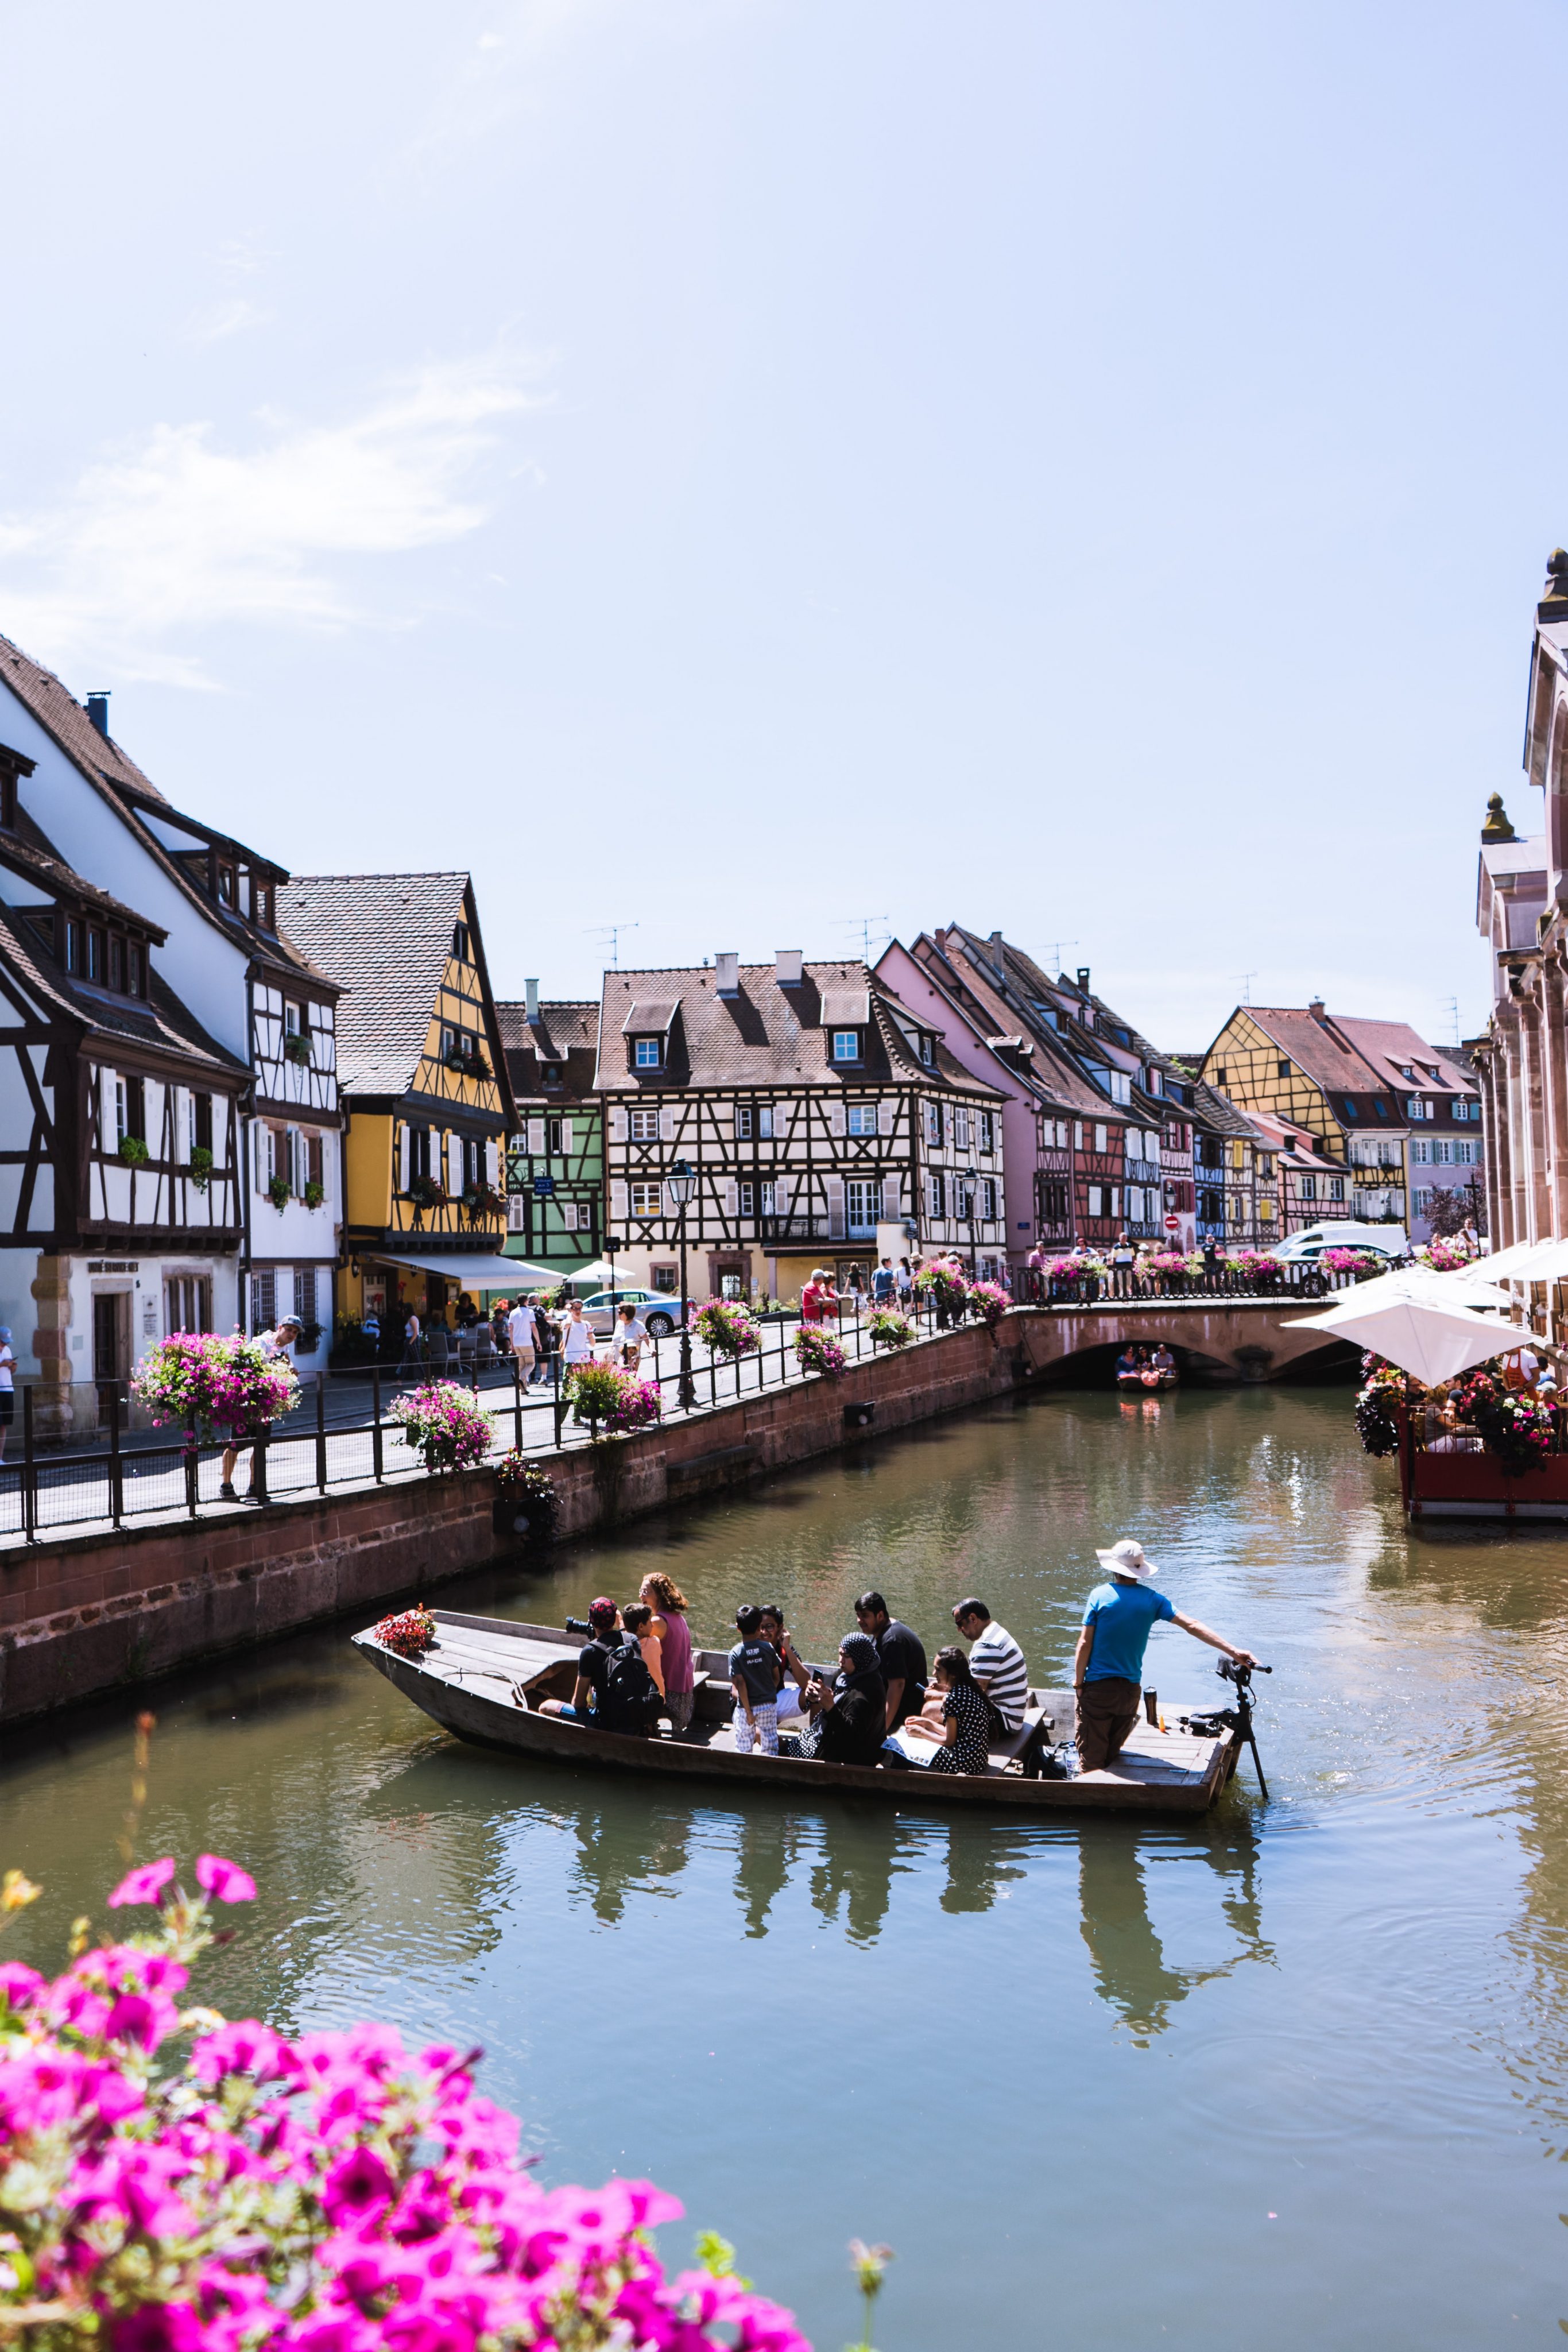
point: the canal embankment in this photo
(107, 1608)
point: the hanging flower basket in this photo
(889, 1328)
(198, 1380)
(277, 1192)
(133, 1151)
(727, 1327)
(409, 1634)
(296, 1048)
(444, 1425)
(530, 1494)
(815, 1352)
(199, 1167)
(610, 1402)
(989, 1302)
(1514, 1428)
(1386, 1389)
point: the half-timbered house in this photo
(121, 1201)
(824, 1122)
(213, 902)
(555, 1161)
(422, 1076)
(1309, 1187)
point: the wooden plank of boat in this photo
(468, 1683)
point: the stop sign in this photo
(1173, 1225)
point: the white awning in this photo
(476, 1269)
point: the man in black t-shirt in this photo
(587, 1701)
(901, 1658)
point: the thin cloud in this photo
(224, 319)
(165, 538)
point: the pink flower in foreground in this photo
(20, 1984)
(143, 1886)
(227, 1880)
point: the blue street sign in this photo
(544, 1188)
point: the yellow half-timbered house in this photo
(423, 1079)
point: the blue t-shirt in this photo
(1123, 1616)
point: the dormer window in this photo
(460, 943)
(225, 886)
(551, 1074)
(929, 1049)
(13, 766)
(135, 970)
(261, 905)
(97, 955)
(647, 1052)
(73, 944)
(846, 1044)
(116, 962)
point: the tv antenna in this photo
(1453, 1005)
(612, 931)
(1054, 954)
(1247, 979)
(862, 924)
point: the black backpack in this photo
(630, 1700)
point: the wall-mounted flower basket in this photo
(483, 1200)
(296, 1048)
(470, 1065)
(277, 1192)
(314, 1195)
(199, 1167)
(133, 1151)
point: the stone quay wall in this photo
(87, 1614)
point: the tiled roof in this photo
(566, 1034)
(28, 852)
(1216, 1112)
(763, 1035)
(1293, 1143)
(162, 1023)
(59, 714)
(1051, 1070)
(385, 939)
(1349, 1056)
(1389, 1046)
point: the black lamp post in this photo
(612, 1242)
(970, 1181)
(682, 1182)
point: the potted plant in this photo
(815, 1352)
(296, 1048)
(133, 1151)
(199, 1167)
(482, 1201)
(1514, 1427)
(425, 1192)
(443, 1425)
(989, 1302)
(277, 1192)
(315, 1192)
(204, 1383)
(889, 1328)
(727, 1327)
(610, 1403)
(473, 1064)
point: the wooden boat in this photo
(1453, 1477)
(483, 1678)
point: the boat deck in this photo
(483, 1678)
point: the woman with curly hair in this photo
(668, 1627)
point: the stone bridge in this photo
(1220, 1339)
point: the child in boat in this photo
(754, 1678)
(638, 1619)
(791, 1672)
(960, 1732)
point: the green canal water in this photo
(1292, 2075)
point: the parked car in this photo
(1343, 1233)
(660, 1312)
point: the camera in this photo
(578, 1625)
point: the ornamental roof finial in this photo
(1497, 826)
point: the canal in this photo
(1295, 2075)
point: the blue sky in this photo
(739, 469)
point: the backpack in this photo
(630, 1700)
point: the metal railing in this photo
(1121, 1283)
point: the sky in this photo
(764, 473)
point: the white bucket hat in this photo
(1127, 1559)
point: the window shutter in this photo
(732, 1199)
(260, 1132)
(780, 1196)
(835, 1208)
(666, 1123)
(402, 1158)
(836, 1121)
(517, 1214)
(618, 1200)
(782, 1113)
(565, 1137)
(455, 1163)
(891, 1199)
(887, 1117)
(617, 1127)
(493, 1164)
(537, 1138)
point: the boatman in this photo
(1108, 1669)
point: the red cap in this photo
(602, 1610)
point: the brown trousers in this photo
(1107, 1710)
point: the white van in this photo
(1342, 1233)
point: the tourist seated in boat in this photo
(1163, 1362)
(792, 1674)
(1128, 1367)
(1108, 1666)
(955, 1720)
(637, 1617)
(996, 1665)
(847, 1714)
(900, 1655)
(754, 1678)
(615, 1691)
(668, 1627)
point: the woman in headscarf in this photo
(848, 1716)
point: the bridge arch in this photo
(1227, 1341)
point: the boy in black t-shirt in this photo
(754, 1677)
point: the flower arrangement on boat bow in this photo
(410, 1634)
(441, 1421)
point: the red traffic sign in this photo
(1173, 1225)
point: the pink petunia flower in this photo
(226, 1880)
(143, 1886)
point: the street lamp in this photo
(971, 1180)
(612, 1242)
(682, 1183)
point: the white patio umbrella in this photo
(1503, 1262)
(1529, 1262)
(1426, 1336)
(1467, 1285)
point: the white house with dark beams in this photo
(824, 1121)
(214, 903)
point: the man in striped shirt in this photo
(996, 1663)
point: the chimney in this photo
(999, 963)
(532, 993)
(788, 966)
(98, 711)
(1084, 980)
(727, 971)
(1317, 1008)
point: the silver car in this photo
(659, 1312)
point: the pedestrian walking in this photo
(519, 1328)
(272, 1344)
(906, 1285)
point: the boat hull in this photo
(475, 1702)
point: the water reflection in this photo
(1132, 1974)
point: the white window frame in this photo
(651, 1203)
(643, 1126)
(846, 1046)
(647, 1054)
(860, 1118)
